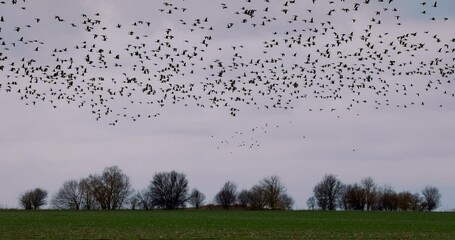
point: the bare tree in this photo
(145, 199)
(69, 196)
(110, 189)
(118, 184)
(416, 202)
(33, 199)
(431, 198)
(25, 200)
(355, 197)
(370, 192)
(89, 201)
(196, 198)
(134, 202)
(286, 202)
(39, 198)
(169, 190)
(387, 199)
(405, 200)
(257, 198)
(311, 203)
(227, 196)
(344, 197)
(274, 193)
(244, 198)
(327, 192)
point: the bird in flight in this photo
(242, 55)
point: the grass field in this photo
(217, 224)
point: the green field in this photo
(218, 224)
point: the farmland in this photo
(218, 224)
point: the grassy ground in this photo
(217, 224)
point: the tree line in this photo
(112, 190)
(331, 194)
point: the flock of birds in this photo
(328, 55)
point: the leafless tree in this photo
(134, 202)
(257, 198)
(431, 198)
(355, 197)
(327, 192)
(274, 193)
(196, 198)
(286, 202)
(89, 201)
(145, 199)
(369, 187)
(39, 198)
(311, 203)
(387, 199)
(227, 196)
(405, 200)
(110, 189)
(416, 202)
(244, 198)
(343, 198)
(69, 196)
(25, 200)
(169, 190)
(33, 199)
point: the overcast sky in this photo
(394, 128)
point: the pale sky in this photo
(312, 130)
